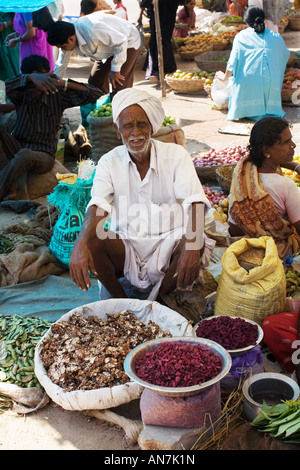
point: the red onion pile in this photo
(178, 365)
(231, 333)
(214, 195)
(226, 156)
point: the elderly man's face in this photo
(135, 130)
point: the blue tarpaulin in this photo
(22, 6)
(48, 298)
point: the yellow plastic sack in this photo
(255, 294)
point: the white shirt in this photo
(100, 36)
(152, 209)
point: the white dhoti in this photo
(144, 270)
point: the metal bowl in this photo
(241, 351)
(132, 357)
(270, 387)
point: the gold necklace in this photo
(269, 166)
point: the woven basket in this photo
(219, 46)
(208, 62)
(207, 173)
(294, 23)
(239, 25)
(185, 86)
(286, 95)
(224, 176)
(192, 54)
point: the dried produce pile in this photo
(87, 353)
(231, 333)
(18, 338)
(178, 365)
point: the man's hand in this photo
(46, 83)
(188, 268)
(81, 263)
(116, 79)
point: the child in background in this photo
(120, 9)
(187, 16)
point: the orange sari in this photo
(253, 211)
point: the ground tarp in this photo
(48, 298)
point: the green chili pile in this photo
(18, 338)
(6, 245)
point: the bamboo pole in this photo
(159, 49)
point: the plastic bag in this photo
(220, 91)
(71, 200)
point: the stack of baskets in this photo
(213, 61)
(181, 85)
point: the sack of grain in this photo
(254, 292)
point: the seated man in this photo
(39, 100)
(111, 41)
(156, 205)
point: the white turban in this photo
(150, 104)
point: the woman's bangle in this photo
(66, 85)
(20, 38)
(295, 169)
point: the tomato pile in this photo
(226, 156)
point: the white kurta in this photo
(100, 36)
(150, 215)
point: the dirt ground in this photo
(52, 428)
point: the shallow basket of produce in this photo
(185, 85)
(224, 176)
(236, 334)
(79, 361)
(213, 61)
(178, 367)
(191, 54)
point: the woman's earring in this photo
(268, 155)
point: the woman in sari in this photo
(257, 63)
(9, 58)
(31, 40)
(262, 201)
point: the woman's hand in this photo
(220, 75)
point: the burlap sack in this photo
(42, 185)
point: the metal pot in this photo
(269, 387)
(131, 358)
(241, 351)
